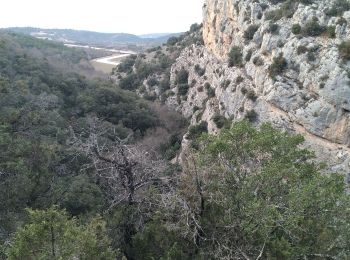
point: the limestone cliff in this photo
(281, 61)
(310, 96)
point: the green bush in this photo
(342, 21)
(182, 77)
(251, 95)
(200, 71)
(261, 185)
(258, 61)
(250, 32)
(127, 65)
(251, 115)
(287, 10)
(152, 82)
(196, 130)
(248, 56)
(235, 57)
(274, 28)
(338, 8)
(225, 83)
(183, 89)
(239, 80)
(296, 29)
(172, 41)
(302, 49)
(130, 82)
(278, 65)
(311, 56)
(244, 91)
(331, 31)
(313, 28)
(210, 90)
(344, 50)
(220, 121)
(164, 84)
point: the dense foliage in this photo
(52, 234)
(44, 98)
(77, 183)
(253, 193)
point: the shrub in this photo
(193, 83)
(183, 89)
(195, 27)
(338, 8)
(220, 121)
(235, 57)
(150, 97)
(152, 82)
(331, 31)
(173, 40)
(311, 56)
(274, 15)
(273, 28)
(210, 92)
(306, 2)
(278, 65)
(251, 115)
(249, 33)
(196, 130)
(258, 61)
(239, 80)
(344, 50)
(248, 55)
(251, 95)
(200, 71)
(127, 65)
(313, 28)
(207, 85)
(225, 84)
(164, 84)
(341, 21)
(182, 77)
(244, 90)
(130, 82)
(287, 10)
(302, 49)
(296, 29)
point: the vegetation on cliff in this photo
(85, 174)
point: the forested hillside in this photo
(89, 170)
(46, 99)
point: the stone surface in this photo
(311, 97)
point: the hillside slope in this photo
(284, 62)
(92, 38)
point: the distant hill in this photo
(93, 38)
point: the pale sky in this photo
(129, 16)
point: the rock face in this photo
(310, 96)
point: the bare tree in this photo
(127, 170)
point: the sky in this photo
(113, 16)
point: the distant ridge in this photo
(95, 38)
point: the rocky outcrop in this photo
(309, 94)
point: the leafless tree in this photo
(127, 170)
